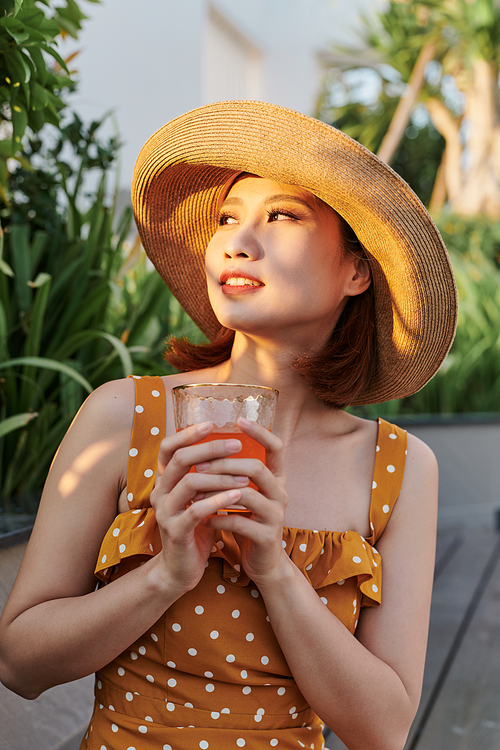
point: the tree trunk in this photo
(401, 116)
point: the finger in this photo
(199, 511)
(191, 486)
(174, 464)
(170, 444)
(272, 443)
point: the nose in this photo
(243, 243)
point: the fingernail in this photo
(202, 467)
(242, 480)
(245, 422)
(204, 426)
(232, 445)
(234, 495)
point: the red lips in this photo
(237, 288)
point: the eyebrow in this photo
(234, 201)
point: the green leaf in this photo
(48, 364)
(14, 423)
(21, 260)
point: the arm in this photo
(366, 688)
(56, 627)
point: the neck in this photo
(267, 363)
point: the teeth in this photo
(240, 281)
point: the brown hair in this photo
(339, 371)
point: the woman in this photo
(225, 631)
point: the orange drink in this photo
(222, 404)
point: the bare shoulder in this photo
(111, 405)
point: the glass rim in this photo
(232, 385)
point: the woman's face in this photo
(275, 265)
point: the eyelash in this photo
(270, 213)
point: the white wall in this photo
(148, 60)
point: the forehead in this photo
(251, 185)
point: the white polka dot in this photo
(171, 664)
(137, 377)
(99, 684)
(235, 613)
(249, 637)
(143, 729)
(154, 637)
(283, 544)
(148, 473)
(155, 430)
(273, 743)
(374, 550)
(257, 717)
(372, 527)
(129, 696)
(220, 544)
(294, 716)
(355, 602)
(246, 690)
(167, 747)
(135, 512)
(292, 710)
(241, 742)
(214, 634)
(385, 508)
(188, 705)
(116, 532)
(254, 593)
(356, 559)
(225, 711)
(324, 600)
(142, 650)
(377, 448)
(204, 745)
(393, 436)
(150, 678)
(265, 660)
(230, 658)
(172, 682)
(244, 674)
(374, 588)
(281, 691)
(103, 747)
(391, 469)
(309, 567)
(121, 671)
(374, 485)
(104, 558)
(139, 409)
(302, 547)
(261, 711)
(176, 627)
(111, 708)
(192, 651)
(170, 706)
(210, 688)
(130, 496)
(133, 452)
(341, 582)
(221, 589)
(133, 655)
(122, 547)
(208, 674)
(215, 714)
(237, 568)
(155, 393)
(199, 609)
(114, 728)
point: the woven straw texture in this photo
(177, 182)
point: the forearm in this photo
(65, 639)
(359, 696)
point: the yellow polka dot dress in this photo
(210, 673)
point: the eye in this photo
(279, 214)
(225, 218)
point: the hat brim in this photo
(184, 166)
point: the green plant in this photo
(30, 89)
(77, 305)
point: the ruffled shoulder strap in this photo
(147, 433)
(390, 460)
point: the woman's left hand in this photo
(259, 535)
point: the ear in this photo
(360, 279)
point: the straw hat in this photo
(184, 166)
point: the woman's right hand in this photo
(183, 500)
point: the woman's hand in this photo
(260, 535)
(182, 502)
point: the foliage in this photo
(77, 305)
(29, 87)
